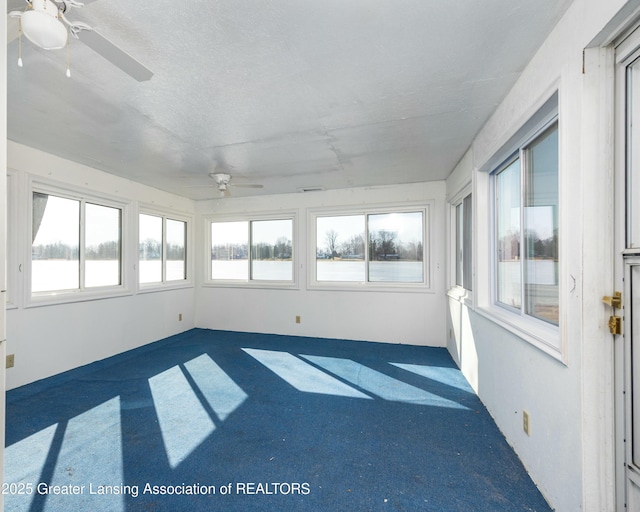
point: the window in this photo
(230, 250)
(252, 250)
(372, 247)
(162, 249)
(76, 244)
(102, 245)
(13, 290)
(176, 242)
(271, 250)
(341, 248)
(526, 226)
(150, 259)
(463, 244)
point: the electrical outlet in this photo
(11, 359)
(179, 317)
(297, 319)
(525, 423)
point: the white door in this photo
(627, 206)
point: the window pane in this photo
(11, 226)
(396, 247)
(176, 243)
(102, 245)
(272, 250)
(541, 228)
(55, 259)
(463, 226)
(467, 243)
(459, 243)
(230, 250)
(508, 235)
(150, 249)
(340, 248)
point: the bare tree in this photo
(382, 243)
(354, 247)
(331, 237)
(283, 248)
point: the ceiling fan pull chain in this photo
(68, 58)
(19, 42)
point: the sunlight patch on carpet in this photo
(379, 384)
(219, 390)
(90, 455)
(24, 462)
(301, 375)
(183, 421)
(449, 376)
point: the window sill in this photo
(371, 287)
(258, 285)
(68, 297)
(541, 335)
(164, 287)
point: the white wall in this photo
(390, 316)
(50, 339)
(3, 239)
(569, 453)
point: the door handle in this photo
(615, 302)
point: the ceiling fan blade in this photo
(16, 5)
(13, 23)
(115, 55)
(247, 185)
(12, 29)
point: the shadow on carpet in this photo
(212, 420)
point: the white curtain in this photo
(39, 206)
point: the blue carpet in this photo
(212, 420)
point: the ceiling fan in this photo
(45, 24)
(223, 180)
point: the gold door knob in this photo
(615, 325)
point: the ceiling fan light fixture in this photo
(220, 177)
(42, 27)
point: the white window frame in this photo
(456, 291)
(249, 218)
(82, 293)
(543, 335)
(164, 284)
(423, 287)
(14, 267)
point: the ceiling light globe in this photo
(44, 30)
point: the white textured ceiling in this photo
(285, 93)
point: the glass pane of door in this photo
(633, 158)
(633, 316)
